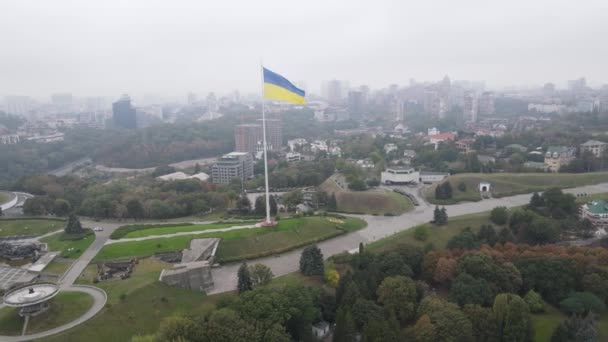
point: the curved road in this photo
(378, 227)
(99, 301)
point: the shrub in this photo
(581, 303)
(462, 187)
(535, 302)
(421, 233)
(499, 215)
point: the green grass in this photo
(65, 307)
(438, 235)
(241, 243)
(4, 198)
(69, 249)
(372, 202)
(507, 184)
(58, 266)
(10, 227)
(163, 230)
(545, 323)
(146, 302)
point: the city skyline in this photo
(154, 47)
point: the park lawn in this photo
(372, 202)
(4, 198)
(438, 235)
(160, 230)
(65, 307)
(58, 266)
(241, 243)
(69, 249)
(508, 184)
(11, 227)
(546, 322)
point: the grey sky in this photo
(171, 47)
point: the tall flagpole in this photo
(268, 221)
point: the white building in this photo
(432, 131)
(429, 177)
(293, 156)
(48, 138)
(318, 145)
(294, 143)
(388, 148)
(399, 176)
(9, 139)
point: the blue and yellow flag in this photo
(277, 87)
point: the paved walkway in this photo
(196, 232)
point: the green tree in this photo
(487, 234)
(197, 168)
(597, 283)
(505, 235)
(424, 330)
(499, 215)
(345, 326)
(73, 225)
(244, 279)
(135, 209)
(260, 274)
(582, 303)
(576, 329)
(451, 324)
(179, 328)
(62, 207)
(553, 277)
(464, 240)
(512, 318)
(311, 261)
(332, 204)
(484, 324)
(421, 233)
(292, 199)
(398, 295)
(260, 205)
(243, 204)
(535, 302)
(536, 201)
(469, 290)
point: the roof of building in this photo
(433, 173)
(443, 136)
(597, 207)
(559, 149)
(535, 165)
(180, 176)
(517, 146)
(593, 143)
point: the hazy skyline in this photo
(173, 47)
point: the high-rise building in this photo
(191, 98)
(486, 103)
(577, 86)
(435, 104)
(247, 137)
(470, 107)
(274, 134)
(356, 104)
(124, 114)
(62, 102)
(18, 105)
(234, 165)
(334, 92)
(212, 104)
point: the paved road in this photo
(99, 301)
(378, 227)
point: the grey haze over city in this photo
(172, 47)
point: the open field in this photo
(367, 202)
(438, 235)
(545, 323)
(507, 184)
(135, 231)
(242, 243)
(69, 249)
(65, 307)
(4, 198)
(58, 266)
(12, 227)
(143, 304)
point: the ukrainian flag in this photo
(277, 87)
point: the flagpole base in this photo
(270, 223)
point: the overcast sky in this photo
(109, 47)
